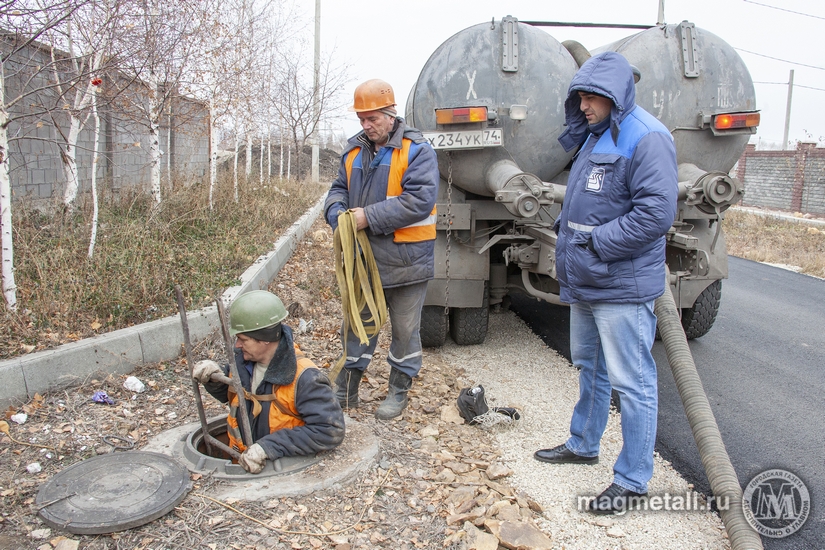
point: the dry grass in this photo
(772, 240)
(142, 251)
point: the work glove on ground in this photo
(253, 459)
(204, 370)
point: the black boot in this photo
(347, 387)
(396, 400)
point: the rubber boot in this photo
(346, 390)
(396, 400)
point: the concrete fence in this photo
(793, 181)
(39, 112)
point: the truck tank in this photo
(478, 66)
(490, 100)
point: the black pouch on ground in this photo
(471, 403)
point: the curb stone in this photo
(121, 351)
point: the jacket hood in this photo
(607, 74)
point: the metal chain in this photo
(449, 230)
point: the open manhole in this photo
(201, 459)
(289, 476)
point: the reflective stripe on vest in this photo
(423, 230)
(278, 420)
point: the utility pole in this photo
(788, 111)
(316, 177)
(660, 20)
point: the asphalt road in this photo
(763, 369)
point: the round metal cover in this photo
(113, 492)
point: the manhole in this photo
(288, 477)
(219, 464)
(112, 492)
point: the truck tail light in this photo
(461, 115)
(730, 121)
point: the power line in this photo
(782, 60)
(795, 85)
(783, 9)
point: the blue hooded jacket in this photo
(621, 194)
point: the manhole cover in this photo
(112, 492)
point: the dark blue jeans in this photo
(611, 345)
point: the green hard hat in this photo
(255, 310)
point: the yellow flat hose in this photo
(359, 284)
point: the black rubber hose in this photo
(720, 472)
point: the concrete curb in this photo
(119, 352)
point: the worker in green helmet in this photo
(290, 403)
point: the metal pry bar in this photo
(235, 378)
(187, 345)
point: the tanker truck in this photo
(491, 102)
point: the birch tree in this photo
(26, 23)
(242, 32)
(95, 159)
(164, 37)
(79, 48)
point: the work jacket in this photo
(621, 193)
(398, 201)
(298, 413)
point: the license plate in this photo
(471, 139)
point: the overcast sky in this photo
(393, 40)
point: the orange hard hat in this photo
(372, 95)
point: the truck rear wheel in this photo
(699, 319)
(468, 325)
(433, 326)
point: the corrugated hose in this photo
(720, 472)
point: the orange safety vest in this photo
(282, 411)
(423, 230)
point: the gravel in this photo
(517, 369)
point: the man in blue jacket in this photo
(388, 178)
(610, 262)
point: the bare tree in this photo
(231, 52)
(296, 99)
(26, 23)
(81, 51)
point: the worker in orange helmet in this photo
(388, 178)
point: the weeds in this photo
(772, 240)
(142, 251)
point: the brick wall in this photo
(784, 180)
(40, 118)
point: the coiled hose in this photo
(359, 284)
(722, 477)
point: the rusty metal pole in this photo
(187, 344)
(235, 378)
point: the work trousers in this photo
(405, 304)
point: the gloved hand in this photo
(253, 459)
(204, 370)
(336, 210)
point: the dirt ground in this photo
(419, 494)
